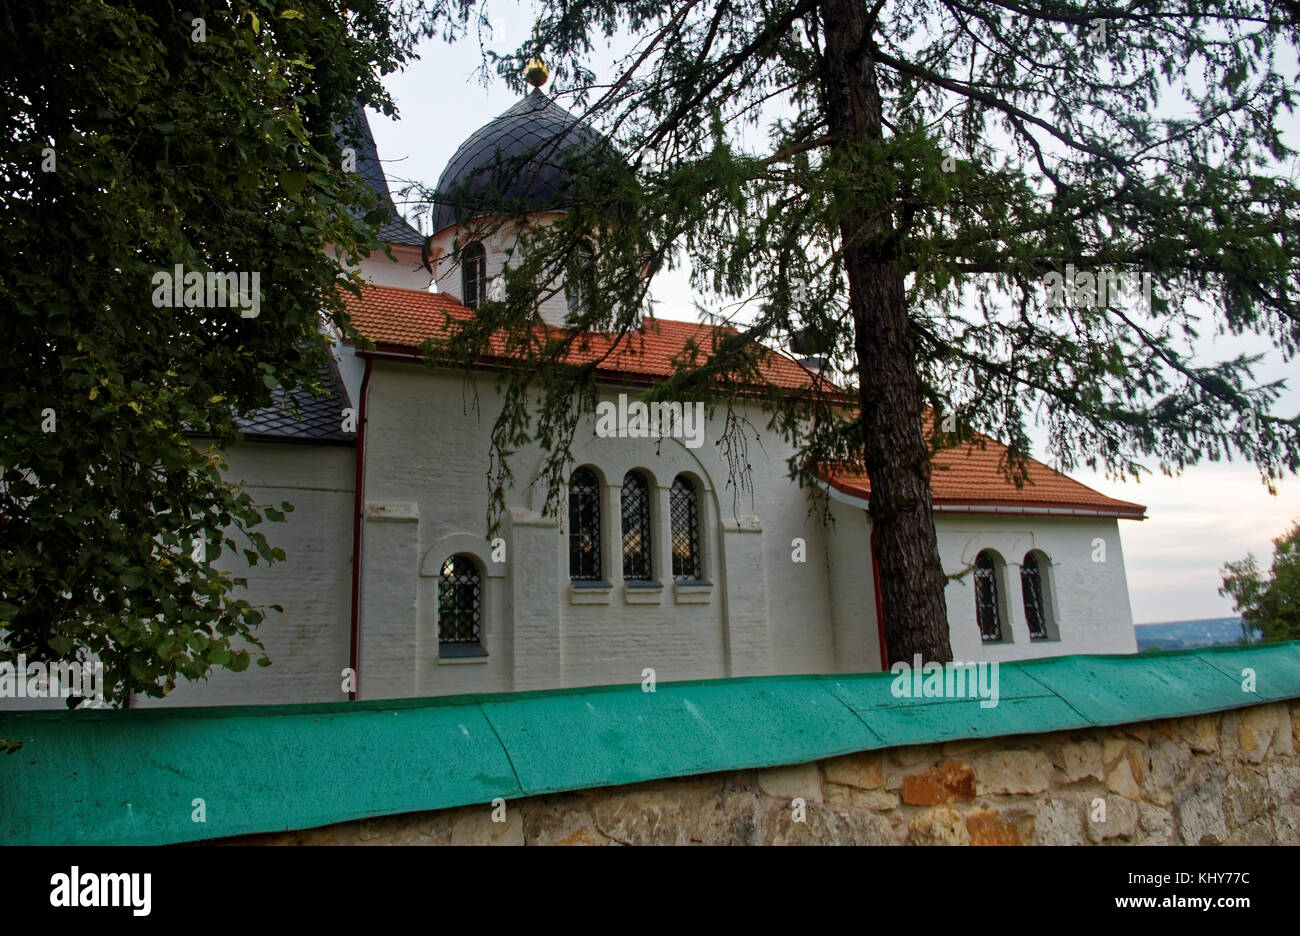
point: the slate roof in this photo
(965, 476)
(318, 420)
(358, 136)
(534, 143)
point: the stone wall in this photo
(1225, 778)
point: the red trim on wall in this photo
(358, 518)
(880, 606)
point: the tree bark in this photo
(894, 444)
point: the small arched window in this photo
(684, 507)
(636, 527)
(580, 273)
(1031, 586)
(460, 608)
(473, 274)
(584, 526)
(987, 603)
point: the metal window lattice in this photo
(636, 527)
(986, 598)
(1031, 585)
(473, 273)
(460, 602)
(684, 510)
(584, 526)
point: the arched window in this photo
(685, 511)
(636, 527)
(1031, 586)
(584, 526)
(460, 608)
(473, 274)
(987, 604)
(580, 272)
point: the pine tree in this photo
(986, 214)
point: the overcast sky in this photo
(1210, 515)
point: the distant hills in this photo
(1181, 635)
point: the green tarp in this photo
(131, 777)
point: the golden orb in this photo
(536, 73)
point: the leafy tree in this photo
(140, 135)
(903, 181)
(1269, 604)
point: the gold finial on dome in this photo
(536, 73)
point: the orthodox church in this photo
(392, 587)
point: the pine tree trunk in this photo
(895, 449)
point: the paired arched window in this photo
(1031, 587)
(684, 509)
(988, 605)
(460, 608)
(584, 526)
(473, 274)
(636, 528)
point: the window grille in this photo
(1031, 585)
(986, 598)
(636, 527)
(460, 603)
(584, 526)
(684, 508)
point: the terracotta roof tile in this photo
(965, 476)
(405, 318)
(971, 477)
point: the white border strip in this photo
(854, 501)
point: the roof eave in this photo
(853, 497)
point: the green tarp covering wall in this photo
(130, 777)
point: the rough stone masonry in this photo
(1224, 778)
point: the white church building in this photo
(653, 564)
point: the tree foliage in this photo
(902, 180)
(140, 135)
(1268, 603)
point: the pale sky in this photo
(1210, 515)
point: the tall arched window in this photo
(584, 526)
(473, 274)
(636, 527)
(1031, 586)
(987, 604)
(684, 507)
(580, 272)
(460, 608)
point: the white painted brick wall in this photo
(309, 644)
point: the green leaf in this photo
(293, 182)
(60, 645)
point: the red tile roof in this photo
(405, 318)
(964, 477)
(971, 478)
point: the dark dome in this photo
(520, 158)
